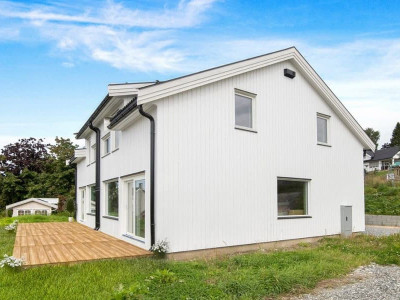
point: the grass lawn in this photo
(381, 197)
(248, 276)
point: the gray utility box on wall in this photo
(346, 220)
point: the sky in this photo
(57, 57)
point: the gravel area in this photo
(370, 282)
(381, 231)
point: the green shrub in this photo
(70, 207)
(163, 276)
(135, 291)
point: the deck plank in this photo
(62, 242)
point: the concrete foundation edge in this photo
(222, 251)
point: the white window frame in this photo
(328, 132)
(93, 153)
(106, 214)
(90, 199)
(117, 136)
(252, 96)
(83, 201)
(106, 141)
(126, 181)
(307, 201)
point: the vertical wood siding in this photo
(217, 186)
(132, 156)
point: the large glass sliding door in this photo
(136, 207)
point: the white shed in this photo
(206, 161)
(33, 206)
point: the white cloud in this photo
(186, 14)
(67, 64)
(363, 73)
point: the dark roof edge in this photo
(123, 113)
(232, 63)
(102, 104)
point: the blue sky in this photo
(57, 57)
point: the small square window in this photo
(244, 106)
(292, 197)
(322, 129)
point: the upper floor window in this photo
(244, 110)
(107, 144)
(323, 129)
(116, 139)
(93, 153)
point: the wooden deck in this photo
(54, 243)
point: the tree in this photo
(395, 140)
(28, 154)
(29, 168)
(373, 135)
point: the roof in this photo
(156, 91)
(44, 201)
(102, 104)
(120, 115)
(385, 153)
(370, 153)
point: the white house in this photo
(33, 206)
(382, 159)
(256, 151)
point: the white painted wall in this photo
(132, 156)
(217, 186)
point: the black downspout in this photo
(76, 189)
(152, 159)
(97, 187)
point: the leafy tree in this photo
(40, 171)
(395, 140)
(373, 135)
(28, 154)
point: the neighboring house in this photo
(382, 159)
(206, 160)
(33, 206)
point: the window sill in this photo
(245, 129)
(294, 217)
(115, 150)
(111, 218)
(91, 214)
(323, 144)
(106, 154)
(133, 238)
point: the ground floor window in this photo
(92, 199)
(42, 212)
(292, 197)
(24, 212)
(83, 196)
(136, 207)
(112, 198)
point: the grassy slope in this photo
(381, 198)
(247, 276)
